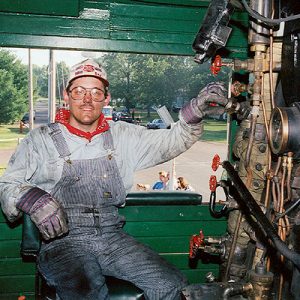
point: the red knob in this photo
(216, 65)
(215, 162)
(213, 183)
(196, 242)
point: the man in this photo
(71, 176)
(163, 181)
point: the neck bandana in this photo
(63, 116)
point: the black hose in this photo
(245, 199)
(212, 207)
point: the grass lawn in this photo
(10, 136)
(214, 131)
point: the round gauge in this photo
(278, 130)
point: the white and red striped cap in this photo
(87, 67)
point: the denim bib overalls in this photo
(90, 191)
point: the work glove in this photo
(210, 100)
(45, 212)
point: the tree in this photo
(156, 80)
(41, 75)
(11, 103)
(121, 69)
(14, 87)
(62, 73)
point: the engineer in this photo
(71, 177)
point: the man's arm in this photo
(14, 183)
(18, 194)
(152, 147)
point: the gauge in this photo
(284, 130)
(278, 130)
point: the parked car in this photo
(176, 108)
(25, 118)
(156, 124)
(122, 116)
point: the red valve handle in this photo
(215, 162)
(213, 183)
(195, 242)
(216, 65)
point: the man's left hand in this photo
(210, 100)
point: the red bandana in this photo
(63, 116)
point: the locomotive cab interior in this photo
(247, 245)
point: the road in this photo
(194, 164)
(41, 115)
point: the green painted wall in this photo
(166, 27)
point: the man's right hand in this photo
(45, 212)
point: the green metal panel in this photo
(44, 7)
(2, 217)
(16, 266)
(10, 249)
(178, 244)
(9, 234)
(54, 26)
(169, 229)
(14, 296)
(71, 43)
(158, 213)
(118, 26)
(17, 283)
(154, 15)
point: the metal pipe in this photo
(233, 245)
(246, 201)
(30, 91)
(259, 32)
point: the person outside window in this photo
(162, 184)
(183, 185)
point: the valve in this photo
(213, 183)
(196, 242)
(210, 245)
(216, 162)
(216, 65)
(237, 88)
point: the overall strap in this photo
(108, 143)
(59, 140)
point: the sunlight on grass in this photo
(214, 131)
(2, 169)
(10, 136)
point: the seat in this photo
(30, 245)
(141, 208)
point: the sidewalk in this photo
(5, 156)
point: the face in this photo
(84, 114)
(163, 178)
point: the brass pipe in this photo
(233, 244)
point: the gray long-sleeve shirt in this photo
(36, 161)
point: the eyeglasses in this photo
(79, 92)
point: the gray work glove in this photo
(45, 212)
(211, 100)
